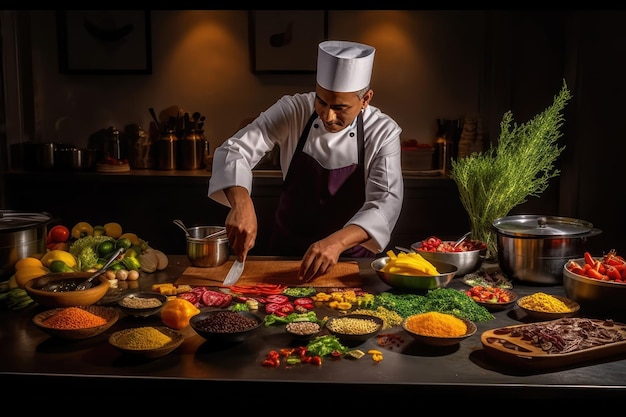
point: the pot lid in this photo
(11, 220)
(538, 225)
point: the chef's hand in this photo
(324, 254)
(241, 222)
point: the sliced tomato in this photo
(302, 301)
(277, 298)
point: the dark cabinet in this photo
(146, 202)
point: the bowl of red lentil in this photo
(147, 342)
(354, 329)
(76, 322)
(142, 304)
(438, 329)
(542, 307)
(225, 326)
(66, 295)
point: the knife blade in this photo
(234, 273)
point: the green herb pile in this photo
(443, 300)
(493, 182)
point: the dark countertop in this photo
(30, 358)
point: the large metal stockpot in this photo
(534, 248)
(21, 235)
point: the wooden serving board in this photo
(520, 352)
(343, 275)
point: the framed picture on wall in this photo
(285, 41)
(104, 41)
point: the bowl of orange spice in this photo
(76, 322)
(438, 329)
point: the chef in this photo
(340, 160)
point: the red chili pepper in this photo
(612, 272)
(589, 259)
(592, 273)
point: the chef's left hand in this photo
(318, 259)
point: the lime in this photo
(123, 243)
(60, 266)
(105, 248)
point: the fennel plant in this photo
(491, 183)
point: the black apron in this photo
(316, 201)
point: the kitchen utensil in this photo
(89, 282)
(596, 297)
(154, 117)
(68, 298)
(234, 273)
(461, 239)
(180, 224)
(206, 252)
(534, 248)
(22, 234)
(215, 234)
(415, 282)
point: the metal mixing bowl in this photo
(604, 299)
(207, 253)
(466, 261)
(415, 282)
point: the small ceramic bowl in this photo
(544, 315)
(225, 326)
(108, 313)
(493, 303)
(118, 340)
(440, 340)
(142, 304)
(349, 329)
(303, 330)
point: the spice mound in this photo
(352, 326)
(140, 302)
(226, 322)
(143, 338)
(73, 318)
(544, 302)
(437, 324)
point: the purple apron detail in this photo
(316, 202)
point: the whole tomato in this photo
(58, 234)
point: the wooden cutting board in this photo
(501, 344)
(343, 275)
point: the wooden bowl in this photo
(116, 340)
(544, 316)
(68, 298)
(109, 314)
(440, 340)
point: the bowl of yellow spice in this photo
(541, 306)
(147, 341)
(438, 329)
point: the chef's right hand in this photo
(241, 222)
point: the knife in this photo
(234, 273)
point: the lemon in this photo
(60, 255)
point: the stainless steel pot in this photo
(534, 248)
(207, 253)
(21, 235)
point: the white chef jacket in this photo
(283, 123)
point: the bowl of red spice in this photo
(438, 329)
(76, 322)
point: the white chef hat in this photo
(344, 66)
